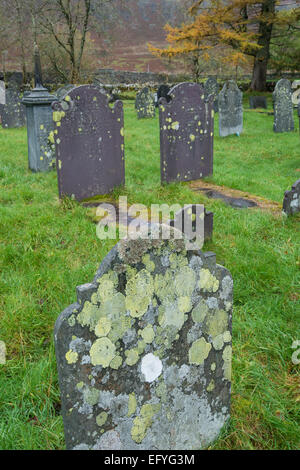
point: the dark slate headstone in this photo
(13, 112)
(283, 107)
(198, 217)
(230, 102)
(291, 201)
(163, 92)
(89, 140)
(211, 87)
(144, 356)
(2, 92)
(258, 102)
(144, 104)
(186, 134)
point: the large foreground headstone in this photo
(211, 87)
(230, 103)
(12, 112)
(89, 139)
(258, 102)
(144, 104)
(291, 200)
(144, 356)
(186, 134)
(283, 107)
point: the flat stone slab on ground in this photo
(144, 356)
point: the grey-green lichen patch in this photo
(147, 357)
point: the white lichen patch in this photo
(151, 367)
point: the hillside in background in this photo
(136, 23)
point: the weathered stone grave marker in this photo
(12, 112)
(283, 107)
(144, 104)
(89, 140)
(198, 218)
(291, 200)
(186, 134)
(230, 103)
(41, 152)
(211, 87)
(144, 356)
(296, 93)
(163, 92)
(2, 92)
(258, 102)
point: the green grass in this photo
(48, 247)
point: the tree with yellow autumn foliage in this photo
(244, 27)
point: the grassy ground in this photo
(48, 247)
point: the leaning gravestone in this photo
(89, 140)
(211, 87)
(144, 104)
(186, 134)
(2, 92)
(13, 112)
(258, 102)
(230, 103)
(144, 356)
(283, 107)
(291, 201)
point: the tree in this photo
(244, 27)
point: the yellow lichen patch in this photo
(71, 357)
(227, 353)
(150, 265)
(132, 356)
(192, 137)
(208, 282)
(213, 367)
(101, 419)
(139, 292)
(116, 363)
(89, 316)
(103, 327)
(175, 125)
(185, 281)
(58, 115)
(142, 423)
(148, 334)
(218, 342)
(227, 337)
(67, 98)
(216, 323)
(122, 131)
(59, 164)
(211, 386)
(51, 137)
(132, 404)
(102, 352)
(184, 304)
(199, 312)
(199, 351)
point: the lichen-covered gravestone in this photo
(144, 356)
(258, 102)
(89, 141)
(144, 104)
(211, 87)
(283, 107)
(13, 112)
(2, 92)
(186, 134)
(291, 200)
(230, 109)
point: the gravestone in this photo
(41, 151)
(283, 107)
(291, 200)
(230, 103)
(2, 92)
(258, 102)
(198, 218)
(186, 134)
(89, 140)
(144, 356)
(211, 87)
(13, 112)
(144, 104)
(163, 92)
